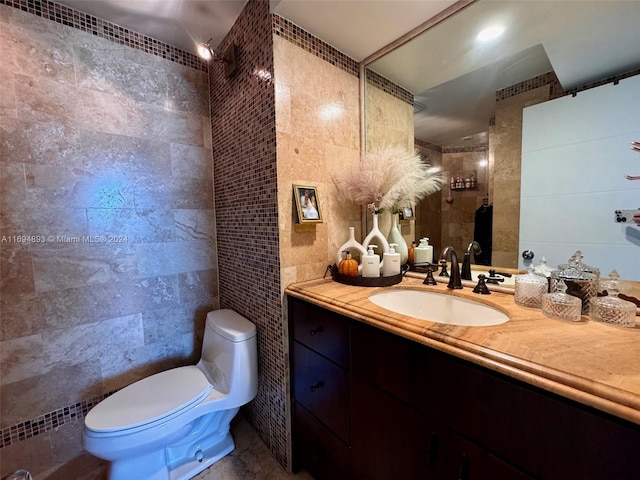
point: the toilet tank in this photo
(229, 355)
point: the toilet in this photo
(174, 424)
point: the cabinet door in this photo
(466, 461)
(541, 433)
(391, 440)
(321, 387)
(397, 365)
(317, 448)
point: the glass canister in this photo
(611, 309)
(529, 289)
(576, 261)
(543, 269)
(560, 305)
(580, 283)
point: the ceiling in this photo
(345, 24)
(580, 40)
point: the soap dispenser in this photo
(371, 263)
(391, 264)
(423, 252)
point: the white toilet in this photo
(174, 424)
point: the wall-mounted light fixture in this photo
(229, 57)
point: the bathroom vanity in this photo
(376, 395)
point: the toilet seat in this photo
(147, 401)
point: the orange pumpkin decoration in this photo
(348, 266)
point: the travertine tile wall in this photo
(429, 211)
(458, 218)
(105, 162)
(317, 131)
(505, 139)
(389, 121)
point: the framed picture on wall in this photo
(406, 213)
(307, 204)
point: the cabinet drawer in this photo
(325, 332)
(316, 448)
(323, 388)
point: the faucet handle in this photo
(481, 287)
(443, 272)
(429, 280)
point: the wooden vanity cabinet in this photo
(319, 364)
(401, 410)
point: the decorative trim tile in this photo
(107, 30)
(303, 39)
(556, 89)
(429, 145)
(48, 421)
(376, 80)
(473, 148)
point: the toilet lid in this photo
(149, 400)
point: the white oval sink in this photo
(439, 308)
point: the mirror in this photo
(460, 103)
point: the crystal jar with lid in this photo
(611, 309)
(579, 282)
(529, 289)
(560, 305)
(576, 261)
(543, 269)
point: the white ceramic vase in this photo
(352, 243)
(376, 237)
(395, 236)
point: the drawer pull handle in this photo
(318, 329)
(318, 385)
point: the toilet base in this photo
(209, 441)
(211, 456)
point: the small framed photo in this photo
(406, 213)
(307, 204)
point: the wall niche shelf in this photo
(464, 180)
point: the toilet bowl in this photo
(174, 424)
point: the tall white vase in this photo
(395, 236)
(352, 243)
(376, 234)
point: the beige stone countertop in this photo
(590, 362)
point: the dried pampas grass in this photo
(388, 177)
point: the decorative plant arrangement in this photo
(389, 177)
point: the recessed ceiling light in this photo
(490, 33)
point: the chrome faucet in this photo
(454, 280)
(466, 262)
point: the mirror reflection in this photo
(457, 92)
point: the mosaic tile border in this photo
(474, 148)
(107, 30)
(376, 80)
(556, 89)
(49, 421)
(425, 144)
(305, 40)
